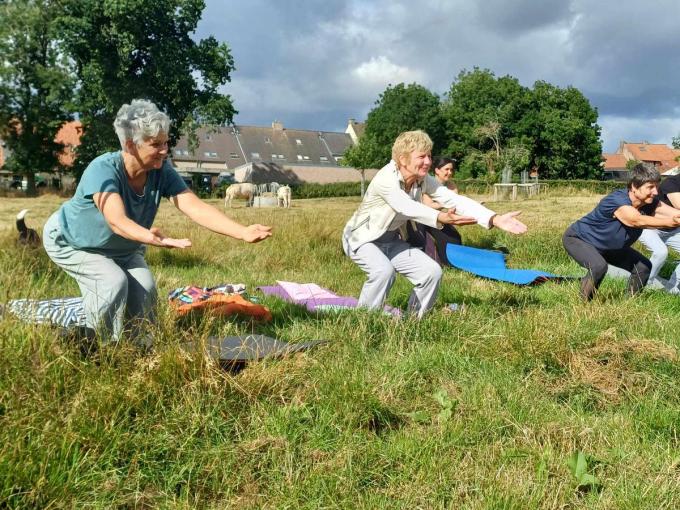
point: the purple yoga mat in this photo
(319, 303)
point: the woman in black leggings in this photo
(605, 235)
(417, 233)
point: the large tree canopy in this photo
(399, 108)
(556, 128)
(127, 49)
(35, 86)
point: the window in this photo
(306, 158)
(323, 159)
(338, 158)
(298, 141)
(255, 155)
(233, 155)
(274, 156)
(210, 154)
(267, 139)
(281, 156)
(178, 152)
(299, 156)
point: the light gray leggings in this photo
(114, 289)
(388, 255)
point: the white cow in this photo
(240, 190)
(283, 196)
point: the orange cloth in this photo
(221, 304)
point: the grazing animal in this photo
(283, 196)
(27, 236)
(241, 190)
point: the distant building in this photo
(355, 130)
(69, 135)
(663, 157)
(266, 154)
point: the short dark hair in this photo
(443, 161)
(642, 173)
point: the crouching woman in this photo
(99, 236)
(606, 234)
(371, 236)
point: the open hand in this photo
(451, 218)
(256, 233)
(510, 223)
(168, 242)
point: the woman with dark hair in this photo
(606, 234)
(433, 240)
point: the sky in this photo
(314, 64)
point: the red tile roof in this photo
(658, 153)
(69, 134)
(614, 161)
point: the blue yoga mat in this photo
(491, 264)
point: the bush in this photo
(335, 189)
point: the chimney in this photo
(277, 126)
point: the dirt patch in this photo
(608, 367)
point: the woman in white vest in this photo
(371, 236)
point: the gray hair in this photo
(139, 120)
(642, 173)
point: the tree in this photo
(565, 134)
(676, 142)
(35, 86)
(478, 100)
(127, 49)
(399, 108)
(557, 126)
(363, 156)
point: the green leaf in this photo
(419, 416)
(442, 397)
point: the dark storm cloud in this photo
(313, 64)
(512, 17)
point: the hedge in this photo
(467, 186)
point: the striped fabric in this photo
(66, 312)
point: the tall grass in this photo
(479, 409)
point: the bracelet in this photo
(491, 221)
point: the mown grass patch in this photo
(482, 408)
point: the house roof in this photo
(660, 154)
(239, 145)
(614, 161)
(69, 134)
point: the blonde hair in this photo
(411, 141)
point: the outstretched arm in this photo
(664, 216)
(213, 219)
(111, 206)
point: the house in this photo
(663, 157)
(267, 154)
(69, 135)
(355, 130)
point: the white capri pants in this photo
(658, 242)
(388, 255)
(114, 288)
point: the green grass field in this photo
(528, 398)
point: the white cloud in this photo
(378, 72)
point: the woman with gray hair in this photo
(605, 235)
(99, 236)
(371, 236)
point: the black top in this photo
(667, 186)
